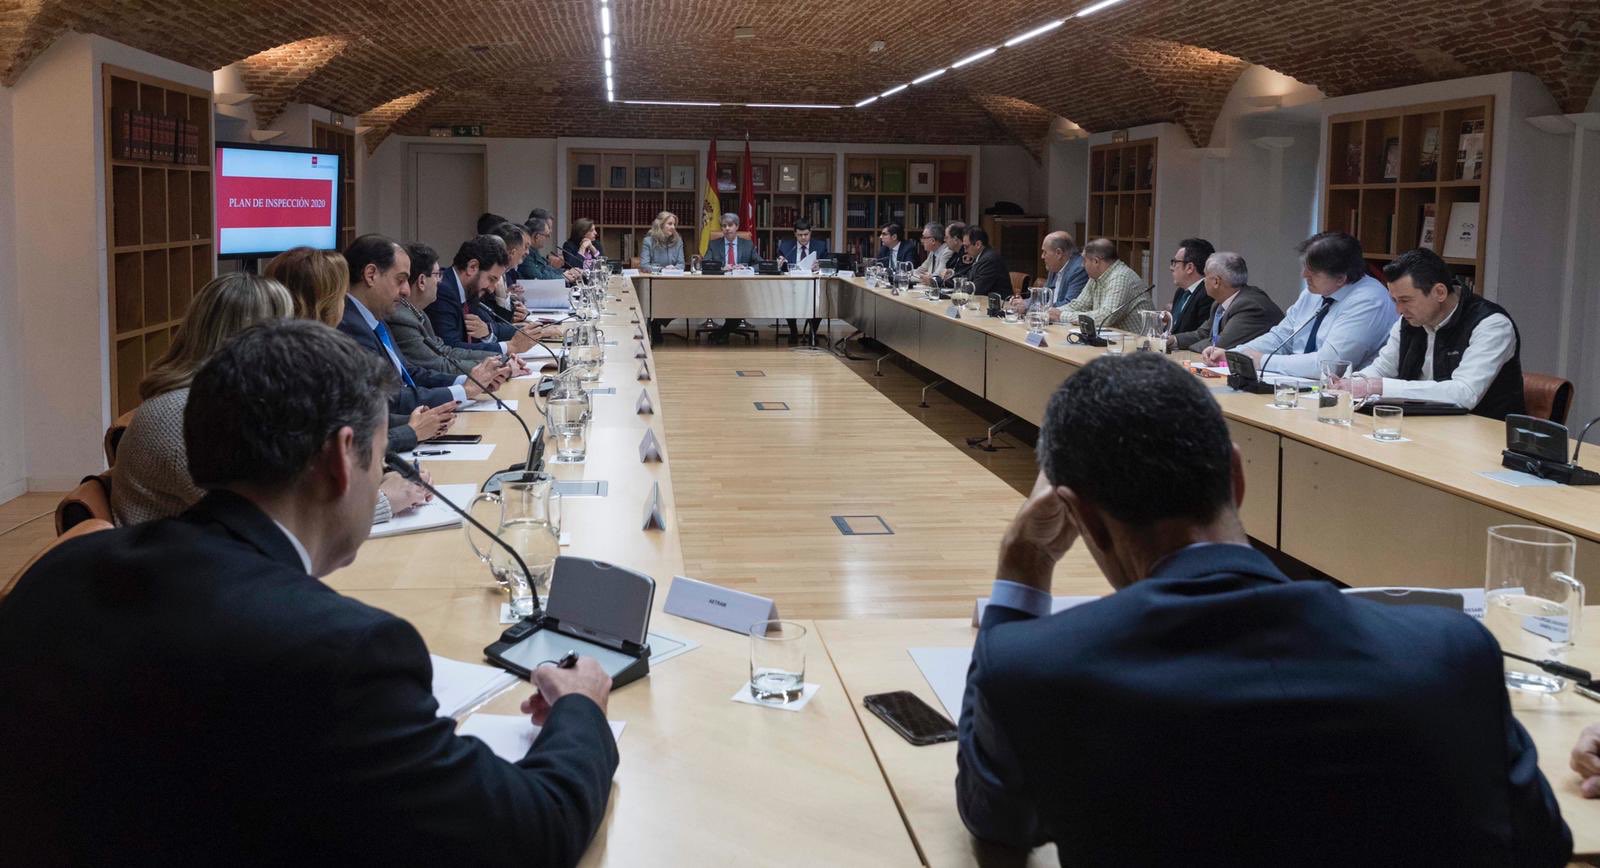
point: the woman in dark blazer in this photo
(582, 247)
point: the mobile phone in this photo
(455, 439)
(915, 720)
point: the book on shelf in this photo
(619, 176)
(641, 177)
(1428, 163)
(1426, 238)
(1461, 235)
(1469, 151)
(952, 181)
(121, 133)
(894, 179)
(1391, 159)
(586, 175)
(817, 180)
(1147, 174)
(862, 182)
(1352, 163)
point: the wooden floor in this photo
(756, 490)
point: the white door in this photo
(448, 191)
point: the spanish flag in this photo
(710, 206)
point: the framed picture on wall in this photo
(788, 177)
(758, 175)
(683, 177)
(921, 178)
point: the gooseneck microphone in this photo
(1287, 340)
(1560, 670)
(535, 445)
(1584, 433)
(406, 469)
(1127, 305)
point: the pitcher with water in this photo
(529, 521)
(585, 346)
(568, 402)
(1155, 326)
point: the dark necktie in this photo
(802, 251)
(1216, 324)
(731, 257)
(1179, 302)
(1316, 323)
(388, 344)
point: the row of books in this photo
(137, 135)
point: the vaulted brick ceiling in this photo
(530, 67)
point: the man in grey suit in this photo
(413, 332)
(1239, 312)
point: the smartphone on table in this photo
(916, 721)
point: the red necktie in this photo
(730, 253)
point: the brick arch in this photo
(1024, 121)
(382, 119)
(24, 33)
(273, 75)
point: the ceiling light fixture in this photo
(894, 90)
(866, 102)
(605, 21)
(605, 47)
(790, 105)
(671, 102)
(973, 58)
(1037, 31)
(1092, 9)
(930, 76)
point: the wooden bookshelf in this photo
(159, 227)
(1018, 240)
(1122, 195)
(908, 190)
(786, 186)
(1389, 168)
(623, 191)
(341, 141)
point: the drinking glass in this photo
(777, 661)
(1011, 314)
(1285, 395)
(1038, 318)
(1333, 404)
(1532, 603)
(1386, 422)
(1117, 343)
(572, 441)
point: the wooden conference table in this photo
(703, 779)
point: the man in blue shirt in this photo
(1343, 313)
(1210, 705)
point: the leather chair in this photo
(80, 529)
(1547, 396)
(114, 437)
(89, 501)
(1020, 282)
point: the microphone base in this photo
(514, 473)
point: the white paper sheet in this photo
(805, 266)
(511, 735)
(485, 405)
(451, 452)
(946, 671)
(430, 515)
(1517, 479)
(460, 687)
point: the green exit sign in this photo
(460, 131)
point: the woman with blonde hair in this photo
(662, 246)
(151, 476)
(316, 279)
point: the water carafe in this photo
(1154, 328)
(529, 521)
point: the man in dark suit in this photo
(894, 248)
(729, 250)
(1239, 312)
(1210, 707)
(413, 334)
(988, 271)
(791, 251)
(379, 271)
(1190, 305)
(214, 703)
(479, 263)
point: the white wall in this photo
(1066, 175)
(13, 451)
(521, 177)
(59, 187)
(1012, 175)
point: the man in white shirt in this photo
(1448, 345)
(939, 253)
(1343, 313)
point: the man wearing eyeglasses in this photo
(1191, 306)
(413, 333)
(938, 253)
(541, 264)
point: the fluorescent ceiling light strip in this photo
(894, 90)
(605, 20)
(1092, 9)
(797, 105)
(973, 58)
(1037, 31)
(608, 69)
(671, 102)
(605, 47)
(930, 76)
(868, 101)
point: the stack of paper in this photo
(430, 515)
(460, 687)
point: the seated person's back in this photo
(1210, 708)
(195, 696)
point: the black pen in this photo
(431, 452)
(568, 661)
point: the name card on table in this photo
(718, 606)
(953, 311)
(1036, 339)
(643, 407)
(639, 353)
(638, 334)
(649, 447)
(653, 519)
(644, 371)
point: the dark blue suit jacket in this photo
(744, 252)
(212, 704)
(790, 251)
(431, 387)
(907, 252)
(1219, 712)
(450, 323)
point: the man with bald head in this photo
(1064, 274)
(1114, 294)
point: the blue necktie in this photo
(1316, 323)
(383, 336)
(1216, 324)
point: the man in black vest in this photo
(1448, 345)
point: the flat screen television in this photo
(270, 199)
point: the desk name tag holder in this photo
(643, 407)
(653, 519)
(649, 447)
(1037, 339)
(644, 372)
(717, 606)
